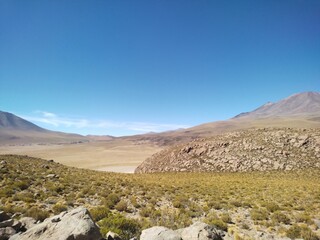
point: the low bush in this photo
(115, 222)
(37, 213)
(100, 212)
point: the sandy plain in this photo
(115, 155)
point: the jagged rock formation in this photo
(250, 150)
(76, 225)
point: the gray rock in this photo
(17, 225)
(27, 222)
(112, 236)
(6, 233)
(200, 231)
(4, 216)
(51, 175)
(73, 225)
(6, 223)
(159, 233)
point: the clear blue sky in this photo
(125, 67)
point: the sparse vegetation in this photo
(280, 202)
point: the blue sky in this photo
(126, 67)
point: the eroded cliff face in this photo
(250, 150)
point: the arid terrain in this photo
(124, 154)
(254, 205)
(115, 155)
(255, 176)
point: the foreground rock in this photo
(73, 225)
(243, 151)
(197, 231)
(159, 233)
(201, 231)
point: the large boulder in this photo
(200, 231)
(6, 233)
(159, 233)
(70, 225)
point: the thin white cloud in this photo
(81, 123)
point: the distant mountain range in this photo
(300, 110)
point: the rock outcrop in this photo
(201, 231)
(250, 150)
(159, 233)
(197, 231)
(73, 225)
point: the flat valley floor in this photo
(112, 156)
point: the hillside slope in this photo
(300, 110)
(250, 150)
(16, 130)
(301, 104)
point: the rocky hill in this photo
(242, 151)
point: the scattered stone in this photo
(51, 175)
(112, 236)
(74, 225)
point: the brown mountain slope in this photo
(301, 104)
(249, 150)
(297, 111)
(15, 130)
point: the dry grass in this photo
(239, 202)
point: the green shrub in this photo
(259, 214)
(24, 196)
(111, 200)
(37, 213)
(225, 217)
(58, 208)
(279, 217)
(145, 212)
(213, 219)
(99, 213)
(303, 231)
(304, 218)
(121, 206)
(126, 228)
(21, 185)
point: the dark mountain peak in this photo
(11, 121)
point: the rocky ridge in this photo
(242, 151)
